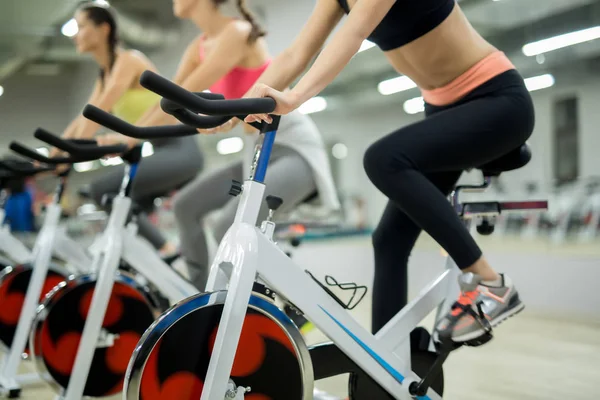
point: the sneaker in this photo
(494, 301)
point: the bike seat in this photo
(510, 161)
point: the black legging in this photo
(417, 166)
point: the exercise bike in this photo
(23, 286)
(234, 343)
(90, 324)
(13, 249)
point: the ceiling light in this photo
(313, 105)
(84, 166)
(414, 106)
(539, 82)
(230, 145)
(70, 28)
(561, 41)
(147, 149)
(395, 85)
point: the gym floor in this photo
(551, 351)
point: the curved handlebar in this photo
(18, 168)
(199, 104)
(81, 152)
(118, 125)
(34, 155)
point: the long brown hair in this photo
(100, 14)
(257, 30)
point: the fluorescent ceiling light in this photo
(230, 145)
(539, 82)
(366, 45)
(339, 151)
(43, 151)
(561, 41)
(70, 28)
(84, 166)
(395, 85)
(414, 106)
(111, 161)
(1, 90)
(147, 149)
(313, 105)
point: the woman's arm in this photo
(362, 20)
(227, 52)
(189, 62)
(125, 70)
(290, 63)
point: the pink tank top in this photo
(236, 82)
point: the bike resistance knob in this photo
(274, 202)
(236, 188)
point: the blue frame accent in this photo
(265, 154)
(397, 375)
(132, 171)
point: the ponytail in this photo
(257, 31)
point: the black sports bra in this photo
(407, 20)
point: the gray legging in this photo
(174, 163)
(289, 176)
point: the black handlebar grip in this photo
(24, 168)
(198, 104)
(210, 96)
(118, 125)
(29, 153)
(81, 152)
(199, 121)
(74, 141)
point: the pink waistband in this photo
(486, 69)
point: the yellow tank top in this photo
(134, 104)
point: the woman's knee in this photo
(181, 207)
(384, 158)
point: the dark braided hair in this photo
(257, 31)
(100, 14)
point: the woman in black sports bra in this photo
(477, 110)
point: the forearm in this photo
(332, 60)
(155, 116)
(72, 128)
(362, 20)
(283, 70)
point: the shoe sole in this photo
(495, 322)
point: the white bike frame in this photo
(10, 245)
(117, 242)
(51, 238)
(41, 254)
(247, 252)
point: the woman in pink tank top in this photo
(228, 58)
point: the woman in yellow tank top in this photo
(117, 90)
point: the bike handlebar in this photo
(200, 104)
(23, 168)
(80, 150)
(85, 152)
(153, 132)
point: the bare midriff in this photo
(449, 61)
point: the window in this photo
(566, 140)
